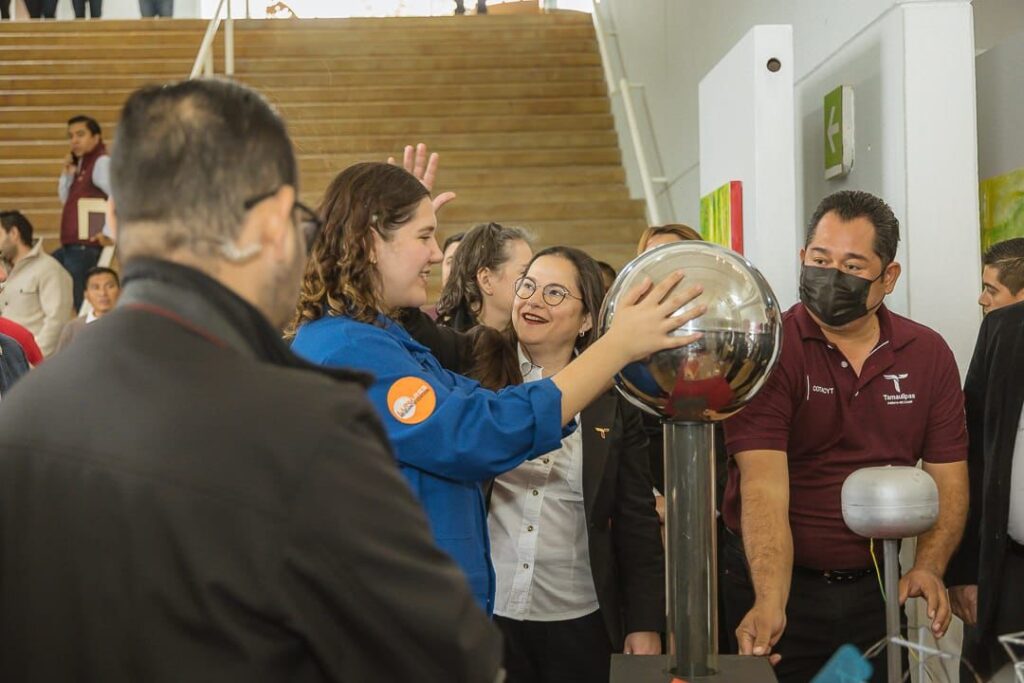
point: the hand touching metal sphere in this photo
(742, 335)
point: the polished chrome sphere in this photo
(890, 502)
(717, 375)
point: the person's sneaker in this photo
(459, 11)
(481, 9)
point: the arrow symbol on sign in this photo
(832, 130)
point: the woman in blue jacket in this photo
(449, 434)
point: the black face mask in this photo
(837, 298)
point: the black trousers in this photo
(820, 616)
(983, 650)
(5, 9)
(41, 8)
(574, 651)
(95, 8)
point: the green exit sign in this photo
(839, 132)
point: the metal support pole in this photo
(892, 608)
(692, 573)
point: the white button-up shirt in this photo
(1016, 522)
(538, 533)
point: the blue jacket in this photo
(449, 433)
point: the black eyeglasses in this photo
(552, 294)
(308, 223)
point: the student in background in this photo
(486, 266)
(102, 289)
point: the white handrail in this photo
(624, 88)
(609, 79)
(653, 213)
(204, 58)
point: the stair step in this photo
(45, 197)
(472, 38)
(480, 91)
(334, 163)
(61, 112)
(335, 144)
(273, 64)
(318, 78)
(458, 213)
(412, 47)
(403, 128)
(524, 213)
(459, 180)
(308, 24)
(473, 159)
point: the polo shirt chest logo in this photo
(900, 397)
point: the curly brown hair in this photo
(340, 277)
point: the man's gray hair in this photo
(188, 156)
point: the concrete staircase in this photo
(515, 105)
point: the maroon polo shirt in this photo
(906, 405)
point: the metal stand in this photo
(692, 573)
(892, 608)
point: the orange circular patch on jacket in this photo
(411, 400)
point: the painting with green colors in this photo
(1002, 208)
(721, 216)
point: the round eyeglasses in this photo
(552, 294)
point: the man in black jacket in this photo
(986, 589)
(214, 509)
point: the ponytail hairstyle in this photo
(487, 245)
(340, 277)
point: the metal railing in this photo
(624, 87)
(203, 66)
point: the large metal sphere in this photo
(717, 375)
(890, 502)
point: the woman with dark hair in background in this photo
(479, 289)
(373, 258)
(448, 249)
(574, 534)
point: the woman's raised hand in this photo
(415, 160)
(644, 319)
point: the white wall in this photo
(1001, 108)
(871, 44)
(669, 45)
(746, 134)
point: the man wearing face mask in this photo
(856, 386)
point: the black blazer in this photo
(196, 514)
(994, 394)
(627, 559)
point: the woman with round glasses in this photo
(373, 258)
(575, 538)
